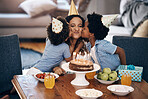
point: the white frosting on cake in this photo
(81, 62)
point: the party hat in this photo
(57, 25)
(73, 10)
(108, 19)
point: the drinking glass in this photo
(49, 81)
(126, 79)
(90, 75)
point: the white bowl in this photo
(89, 93)
(42, 80)
(104, 81)
(120, 90)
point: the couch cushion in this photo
(10, 6)
(20, 20)
(38, 7)
(118, 31)
(142, 30)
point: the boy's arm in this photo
(68, 59)
(58, 70)
(121, 53)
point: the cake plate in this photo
(80, 79)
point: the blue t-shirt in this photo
(105, 54)
(52, 56)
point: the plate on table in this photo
(40, 76)
(120, 90)
(104, 81)
(89, 93)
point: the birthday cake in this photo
(81, 65)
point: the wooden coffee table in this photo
(30, 88)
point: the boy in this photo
(104, 53)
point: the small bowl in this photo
(104, 81)
(42, 80)
(89, 93)
(120, 90)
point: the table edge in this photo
(18, 88)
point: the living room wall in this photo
(102, 7)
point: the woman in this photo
(76, 24)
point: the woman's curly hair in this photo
(96, 26)
(58, 38)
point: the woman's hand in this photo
(58, 70)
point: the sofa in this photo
(16, 19)
(22, 18)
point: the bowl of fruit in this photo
(107, 76)
(41, 76)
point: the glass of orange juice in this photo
(126, 79)
(90, 75)
(49, 81)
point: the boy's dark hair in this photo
(68, 18)
(58, 38)
(96, 26)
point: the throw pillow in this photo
(142, 30)
(108, 19)
(38, 7)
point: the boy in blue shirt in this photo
(56, 49)
(104, 53)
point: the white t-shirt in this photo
(93, 55)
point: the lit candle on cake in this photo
(85, 55)
(74, 55)
(79, 55)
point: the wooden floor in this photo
(37, 46)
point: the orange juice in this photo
(126, 80)
(49, 81)
(90, 75)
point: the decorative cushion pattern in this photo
(38, 7)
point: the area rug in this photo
(29, 57)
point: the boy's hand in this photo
(59, 70)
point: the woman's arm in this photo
(79, 47)
(121, 53)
